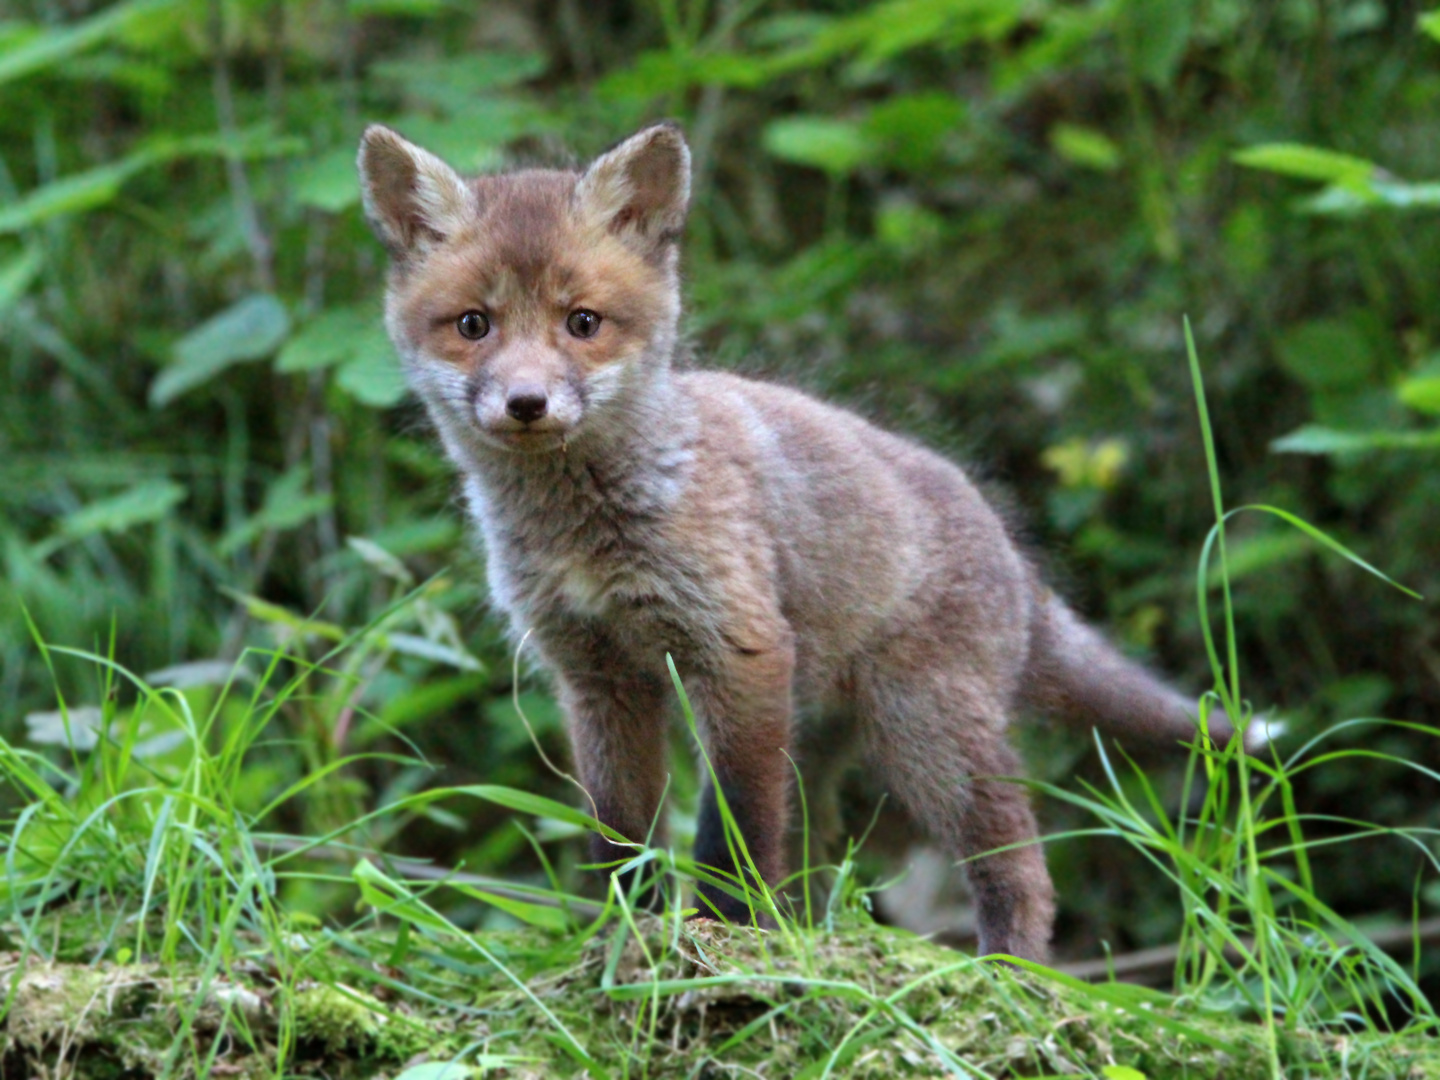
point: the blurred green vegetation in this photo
(980, 221)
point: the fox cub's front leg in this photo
(618, 728)
(743, 706)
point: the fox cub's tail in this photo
(1079, 678)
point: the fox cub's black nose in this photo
(526, 404)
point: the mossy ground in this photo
(691, 1001)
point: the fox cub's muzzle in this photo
(532, 412)
(526, 403)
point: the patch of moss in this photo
(140, 1021)
(341, 1020)
(336, 1020)
(883, 1004)
(695, 1000)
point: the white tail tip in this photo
(1263, 729)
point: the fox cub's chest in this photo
(593, 587)
(580, 548)
(609, 578)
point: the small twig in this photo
(262, 252)
(275, 85)
(349, 69)
(709, 116)
(327, 528)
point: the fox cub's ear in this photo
(412, 198)
(641, 189)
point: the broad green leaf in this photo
(1157, 33)
(255, 143)
(456, 83)
(51, 46)
(509, 716)
(139, 77)
(1314, 439)
(1421, 391)
(910, 129)
(526, 803)
(1319, 536)
(1249, 242)
(1085, 147)
(275, 615)
(372, 374)
(1308, 163)
(1338, 200)
(836, 146)
(907, 227)
(1405, 196)
(1121, 1072)
(380, 560)
(668, 71)
(425, 649)
(249, 329)
(17, 275)
(542, 915)
(96, 187)
(1247, 555)
(386, 894)
(73, 194)
(887, 29)
(418, 703)
(143, 503)
(327, 182)
(411, 8)
(1429, 23)
(1328, 353)
(334, 335)
(287, 505)
(1066, 37)
(472, 141)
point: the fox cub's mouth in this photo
(526, 416)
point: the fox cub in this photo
(784, 552)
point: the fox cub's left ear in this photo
(412, 198)
(640, 190)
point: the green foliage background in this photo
(977, 220)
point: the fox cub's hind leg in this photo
(938, 735)
(743, 707)
(826, 746)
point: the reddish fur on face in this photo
(527, 262)
(779, 550)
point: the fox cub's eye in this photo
(473, 325)
(583, 323)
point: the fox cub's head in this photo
(534, 306)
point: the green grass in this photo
(162, 918)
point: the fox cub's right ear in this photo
(640, 190)
(412, 198)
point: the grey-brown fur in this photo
(783, 551)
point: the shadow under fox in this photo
(783, 551)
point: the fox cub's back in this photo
(870, 529)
